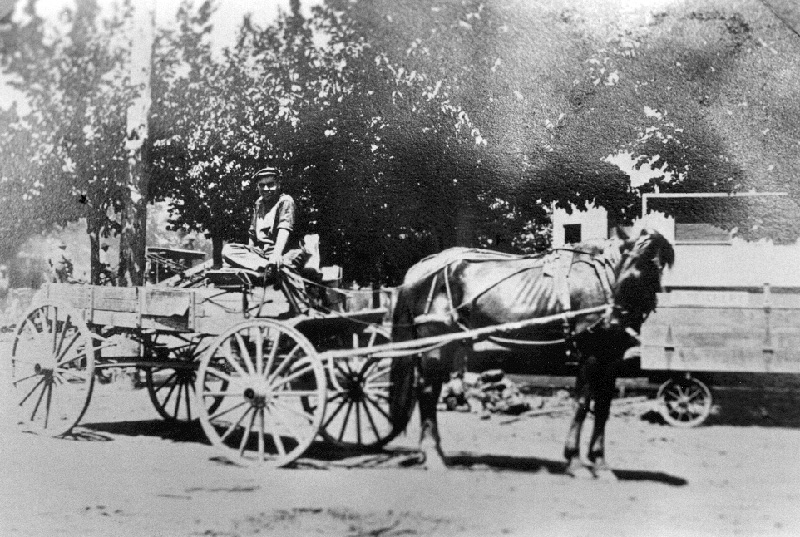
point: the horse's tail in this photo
(402, 395)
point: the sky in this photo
(226, 21)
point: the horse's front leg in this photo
(602, 409)
(575, 466)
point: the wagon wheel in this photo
(685, 402)
(172, 387)
(52, 368)
(357, 412)
(250, 385)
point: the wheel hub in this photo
(258, 395)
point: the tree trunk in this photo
(216, 250)
(94, 255)
(134, 216)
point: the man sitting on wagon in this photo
(271, 225)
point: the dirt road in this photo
(128, 473)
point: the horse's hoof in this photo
(433, 461)
(578, 470)
(604, 473)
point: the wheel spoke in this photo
(63, 350)
(371, 420)
(308, 367)
(346, 419)
(377, 406)
(169, 378)
(358, 422)
(377, 373)
(244, 352)
(300, 413)
(296, 393)
(235, 424)
(178, 394)
(41, 381)
(53, 323)
(259, 352)
(225, 393)
(228, 355)
(261, 434)
(25, 378)
(69, 373)
(76, 357)
(228, 411)
(188, 402)
(48, 404)
(273, 352)
(169, 394)
(276, 435)
(39, 401)
(219, 374)
(334, 413)
(286, 361)
(246, 436)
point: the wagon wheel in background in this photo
(685, 401)
(250, 385)
(172, 387)
(357, 412)
(52, 368)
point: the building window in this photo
(572, 233)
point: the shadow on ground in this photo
(175, 432)
(476, 461)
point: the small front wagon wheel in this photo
(250, 385)
(172, 387)
(52, 369)
(685, 402)
(358, 399)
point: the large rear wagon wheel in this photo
(52, 369)
(685, 401)
(357, 414)
(250, 385)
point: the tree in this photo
(76, 88)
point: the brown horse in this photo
(462, 289)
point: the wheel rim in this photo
(52, 369)
(172, 389)
(357, 414)
(685, 402)
(250, 386)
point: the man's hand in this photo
(274, 259)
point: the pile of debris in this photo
(490, 391)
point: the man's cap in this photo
(61, 244)
(269, 171)
(104, 246)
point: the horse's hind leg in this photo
(575, 466)
(604, 392)
(436, 367)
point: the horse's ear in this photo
(620, 232)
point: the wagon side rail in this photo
(415, 346)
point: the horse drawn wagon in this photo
(266, 380)
(237, 355)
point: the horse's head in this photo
(639, 278)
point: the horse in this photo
(463, 290)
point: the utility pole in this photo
(134, 215)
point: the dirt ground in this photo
(126, 472)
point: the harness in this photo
(556, 265)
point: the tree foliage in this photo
(68, 151)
